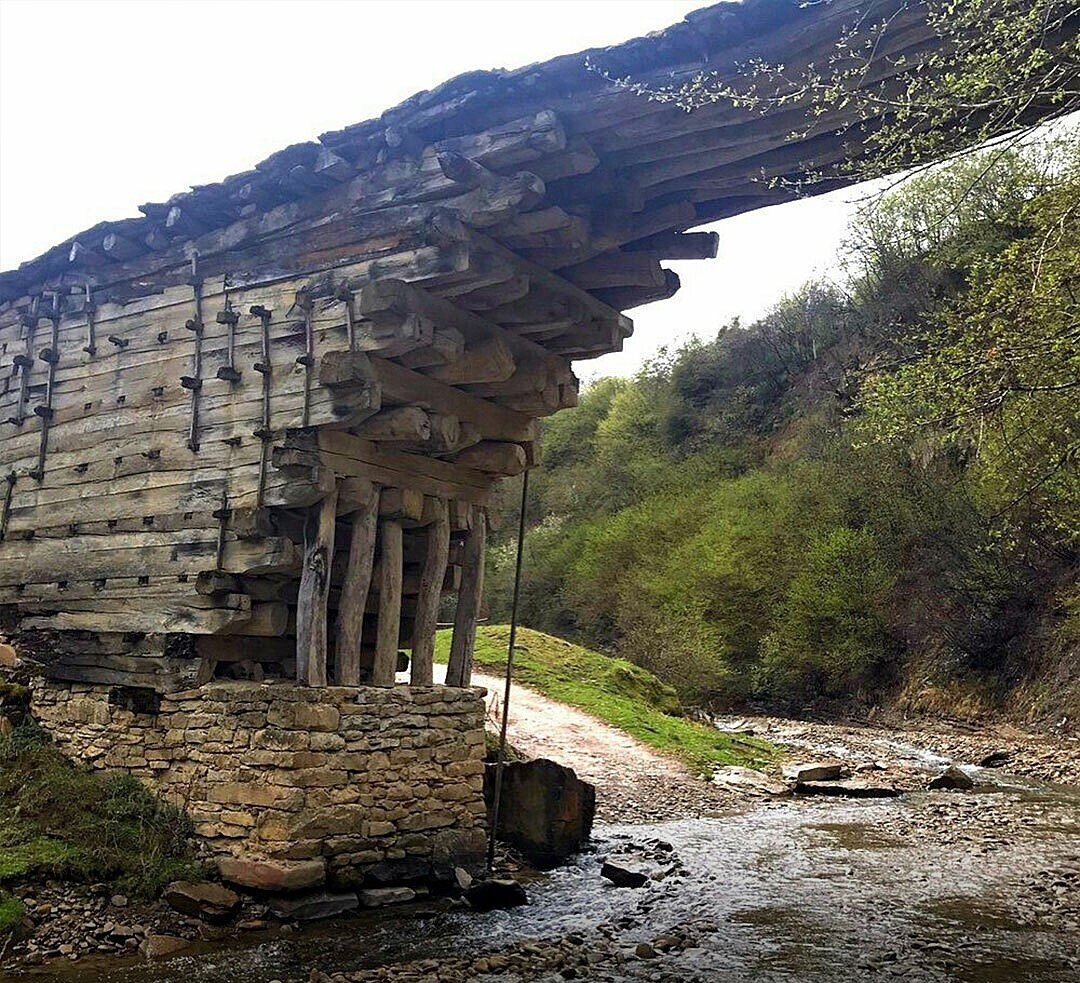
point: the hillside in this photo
(868, 497)
(612, 690)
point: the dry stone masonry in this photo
(290, 786)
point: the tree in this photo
(989, 70)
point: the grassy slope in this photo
(612, 690)
(59, 820)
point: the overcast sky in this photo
(106, 105)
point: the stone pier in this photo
(290, 786)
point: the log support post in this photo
(357, 583)
(427, 603)
(459, 669)
(389, 623)
(314, 591)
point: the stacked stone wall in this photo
(289, 786)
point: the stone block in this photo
(272, 875)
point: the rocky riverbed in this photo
(975, 885)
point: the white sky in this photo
(106, 105)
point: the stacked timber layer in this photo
(255, 429)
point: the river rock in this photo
(545, 812)
(272, 875)
(747, 779)
(377, 897)
(310, 907)
(622, 874)
(159, 946)
(496, 892)
(823, 771)
(851, 789)
(953, 778)
(995, 759)
(208, 901)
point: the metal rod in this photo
(50, 356)
(194, 381)
(24, 361)
(345, 294)
(303, 298)
(6, 511)
(91, 327)
(264, 368)
(222, 515)
(500, 761)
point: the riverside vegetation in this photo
(869, 494)
(61, 821)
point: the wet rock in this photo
(272, 875)
(159, 946)
(995, 759)
(851, 789)
(545, 812)
(311, 907)
(953, 779)
(377, 897)
(747, 779)
(824, 771)
(622, 874)
(496, 892)
(462, 878)
(209, 901)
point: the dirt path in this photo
(633, 782)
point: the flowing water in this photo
(973, 888)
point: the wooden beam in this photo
(408, 423)
(389, 626)
(459, 669)
(427, 603)
(314, 590)
(357, 581)
(494, 456)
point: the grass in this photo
(613, 690)
(11, 912)
(63, 821)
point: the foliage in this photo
(613, 690)
(11, 912)
(993, 69)
(61, 820)
(873, 476)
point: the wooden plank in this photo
(427, 603)
(357, 581)
(459, 668)
(404, 386)
(311, 631)
(389, 626)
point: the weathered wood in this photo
(357, 582)
(459, 666)
(495, 456)
(389, 625)
(405, 423)
(311, 629)
(427, 604)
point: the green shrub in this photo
(58, 819)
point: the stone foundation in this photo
(290, 786)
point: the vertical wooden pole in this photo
(386, 637)
(459, 670)
(314, 591)
(357, 584)
(427, 603)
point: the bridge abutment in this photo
(291, 786)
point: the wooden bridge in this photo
(253, 432)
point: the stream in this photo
(981, 887)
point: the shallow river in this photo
(946, 886)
